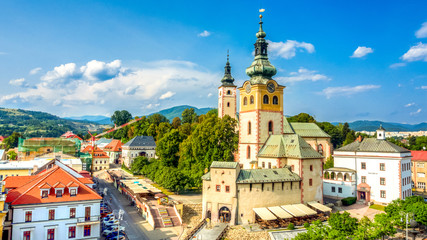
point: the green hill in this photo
(37, 124)
(176, 111)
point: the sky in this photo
(339, 60)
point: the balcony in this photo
(88, 220)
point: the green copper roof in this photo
(267, 175)
(227, 80)
(217, 164)
(287, 129)
(308, 130)
(261, 70)
(373, 145)
(290, 146)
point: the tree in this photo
(168, 148)
(343, 223)
(351, 137)
(176, 122)
(138, 163)
(11, 155)
(365, 230)
(12, 140)
(329, 163)
(383, 226)
(157, 118)
(121, 117)
(189, 116)
(302, 117)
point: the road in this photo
(131, 218)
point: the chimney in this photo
(359, 138)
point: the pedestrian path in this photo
(210, 233)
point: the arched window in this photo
(248, 152)
(326, 176)
(270, 126)
(249, 128)
(228, 104)
(275, 100)
(252, 100)
(229, 92)
(245, 101)
(333, 176)
(265, 99)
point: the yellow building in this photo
(3, 211)
(419, 171)
(20, 168)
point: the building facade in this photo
(419, 171)
(227, 104)
(383, 169)
(114, 151)
(138, 146)
(55, 204)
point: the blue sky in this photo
(340, 60)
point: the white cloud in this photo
(151, 105)
(410, 104)
(74, 90)
(303, 75)
(422, 32)
(35, 70)
(204, 34)
(416, 53)
(416, 112)
(347, 91)
(166, 95)
(210, 95)
(288, 49)
(20, 82)
(361, 52)
(397, 65)
(423, 87)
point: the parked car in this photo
(109, 223)
(113, 235)
(107, 232)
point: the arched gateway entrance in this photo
(224, 215)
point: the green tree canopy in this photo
(176, 122)
(168, 148)
(189, 116)
(121, 117)
(302, 117)
(12, 140)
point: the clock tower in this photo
(227, 94)
(261, 105)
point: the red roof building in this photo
(71, 135)
(419, 172)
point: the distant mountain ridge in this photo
(171, 113)
(92, 118)
(366, 125)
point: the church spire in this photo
(261, 69)
(227, 80)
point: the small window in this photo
(73, 192)
(252, 100)
(72, 212)
(275, 100)
(229, 92)
(339, 190)
(333, 189)
(363, 179)
(249, 128)
(310, 182)
(27, 235)
(28, 216)
(245, 101)
(266, 99)
(228, 104)
(218, 188)
(227, 189)
(363, 165)
(263, 164)
(51, 234)
(45, 193)
(248, 153)
(52, 214)
(382, 166)
(382, 181)
(86, 232)
(311, 168)
(270, 126)
(269, 165)
(72, 232)
(382, 194)
(59, 193)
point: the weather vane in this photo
(261, 10)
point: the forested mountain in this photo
(176, 111)
(365, 125)
(36, 124)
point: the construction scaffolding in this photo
(31, 148)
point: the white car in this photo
(107, 231)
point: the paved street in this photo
(131, 219)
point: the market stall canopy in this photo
(293, 211)
(305, 209)
(320, 207)
(278, 211)
(264, 214)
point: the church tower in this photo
(227, 94)
(261, 105)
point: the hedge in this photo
(348, 201)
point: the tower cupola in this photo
(227, 80)
(381, 133)
(261, 70)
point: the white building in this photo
(383, 169)
(138, 146)
(55, 204)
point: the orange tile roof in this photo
(98, 153)
(114, 146)
(58, 185)
(419, 155)
(85, 180)
(29, 193)
(72, 184)
(16, 181)
(45, 186)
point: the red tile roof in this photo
(114, 146)
(58, 185)
(85, 174)
(98, 153)
(45, 186)
(419, 155)
(72, 184)
(29, 193)
(12, 182)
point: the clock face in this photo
(271, 87)
(248, 88)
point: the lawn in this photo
(377, 207)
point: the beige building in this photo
(419, 171)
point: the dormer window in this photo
(45, 193)
(58, 192)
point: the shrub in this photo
(348, 201)
(291, 226)
(306, 224)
